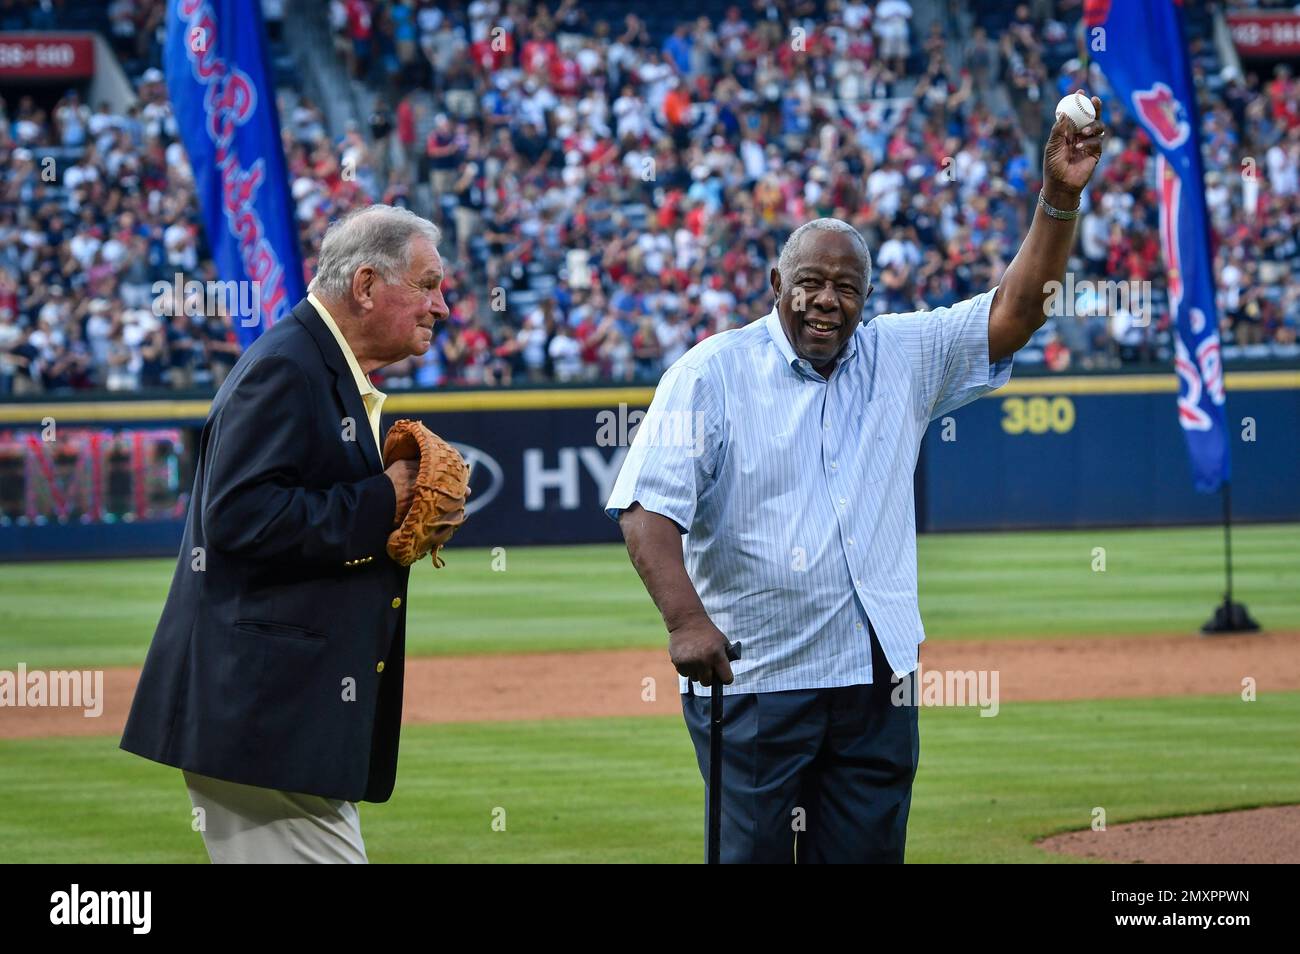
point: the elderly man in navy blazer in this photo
(274, 680)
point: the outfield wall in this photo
(96, 479)
(1094, 451)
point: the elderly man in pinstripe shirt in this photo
(784, 452)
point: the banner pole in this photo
(1230, 617)
(1227, 536)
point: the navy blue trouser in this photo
(817, 775)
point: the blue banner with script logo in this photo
(1139, 45)
(223, 99)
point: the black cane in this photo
(715, 762)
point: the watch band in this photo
(1054, 212)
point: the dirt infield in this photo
(638, 682)
(614, 683)
(1258, 836)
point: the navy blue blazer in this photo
(279, 655)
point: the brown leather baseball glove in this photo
(442, 484)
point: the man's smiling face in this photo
(820, 300)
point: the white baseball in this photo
(1078, 108)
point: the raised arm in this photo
(1019, 306)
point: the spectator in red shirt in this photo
(360, 31)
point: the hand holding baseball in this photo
(1073, 149)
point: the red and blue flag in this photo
(223, 99)
(1142, 51)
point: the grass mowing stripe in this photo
(74, 615)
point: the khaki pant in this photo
(467, 224)
(440, 180)
(245, 824)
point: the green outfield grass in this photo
(628, 789)
(82, 614)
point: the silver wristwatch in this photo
(1054, 212)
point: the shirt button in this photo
(843, 501)
(379, 666)
(397, 601)
(826, 427)
(835, 465)
(858, 584)
(850, 541)
(858, 625)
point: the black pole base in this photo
(1230, 617)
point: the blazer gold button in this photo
(397, 601)
(379, 666)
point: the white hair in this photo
(378, 236)
(785, 265)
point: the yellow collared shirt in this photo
(371, 396)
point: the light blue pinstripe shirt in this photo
(795, 492)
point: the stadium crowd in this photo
(610, 194)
